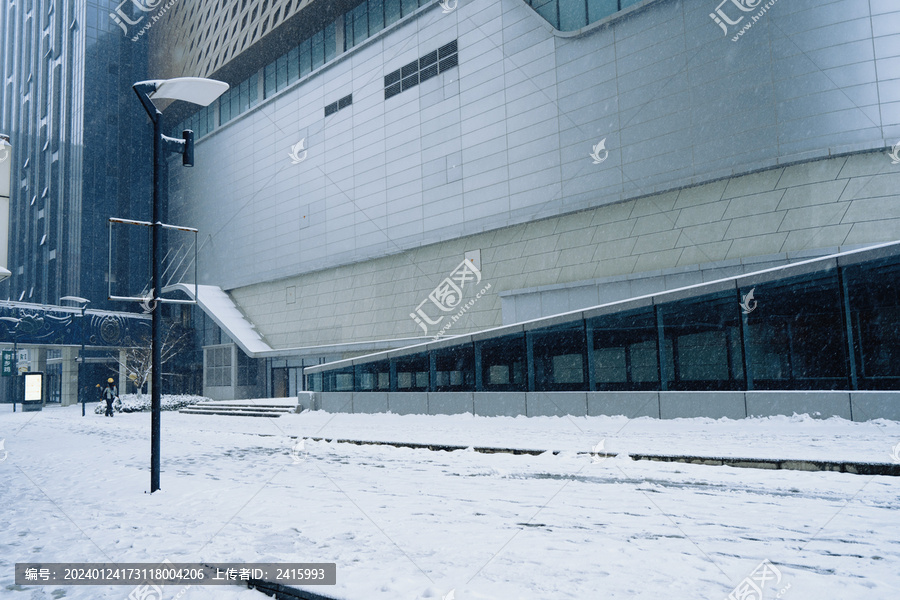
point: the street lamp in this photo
(84, 302)
(5, 173)
(15, 364)
(197, 91)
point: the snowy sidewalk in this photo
(781, 438)
(404, 524)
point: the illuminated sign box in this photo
(34, 391)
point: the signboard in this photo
(6, 363)
(24, 361)
(34, 387)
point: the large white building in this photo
(574, 152)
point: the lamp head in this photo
(196, 90)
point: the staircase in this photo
(240, 409)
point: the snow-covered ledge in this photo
(216, 303)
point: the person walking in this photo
(110, 393)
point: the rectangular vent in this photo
(338, 105)
(414, 73)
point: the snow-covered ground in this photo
(410, 524)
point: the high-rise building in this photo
(78, 156)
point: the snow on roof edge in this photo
(221, 308)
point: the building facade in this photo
(574, 153)
(80, 155)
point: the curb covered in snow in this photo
(283, 592)
(856, 468)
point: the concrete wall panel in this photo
(408, 403)
(822, 405)
(497, 404)
(370, 402)
(555, 404)
(629, 404)
(674, 405)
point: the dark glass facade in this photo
(81, 149)
(825, 324)
(571, 15)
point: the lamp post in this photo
(84, 302)
(197, 91)
(15, 364)
(5, 173)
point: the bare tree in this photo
(138, 361)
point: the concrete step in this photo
(284, 409)
(238, 409)
(230, 413)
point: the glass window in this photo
(624, 350)
(270, 80)
(376, 16)
(413, 373)
(703, 343)
(572, 15)
(796, 334)
(330, 43)
(559, 358)
(293, 66)
(374, 376)
(874, 298)
(502, 364)
(245, 92)
(318, 50)
(218, 366)
(340, 380)
(252, 94)
(305, 57)
(391, 11)
(547, 9)
(247, 369)
(360, 23)
(314, 382)
(455, 369)
(408, 6)
(600, 9)
(348, 30)
(281, 73)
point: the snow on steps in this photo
(241, 409)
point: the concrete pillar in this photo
(39, 363)
(123, 373)
(69, 383)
